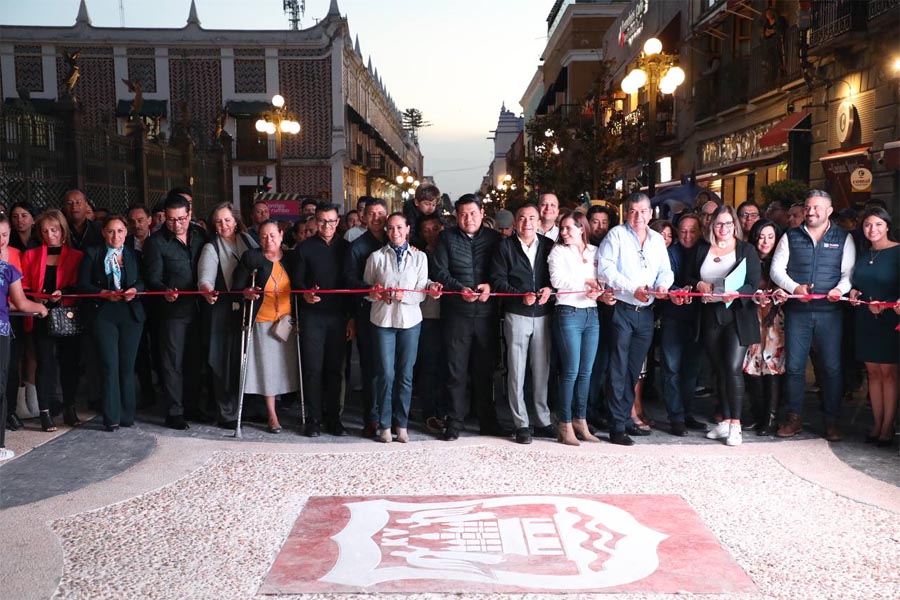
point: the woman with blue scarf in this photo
(398, 274)
(115, 321)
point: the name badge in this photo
(235, 306)
(830, 245)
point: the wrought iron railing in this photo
(775, 63)
(833, 18)
(880, 7)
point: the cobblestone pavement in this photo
(151, 513)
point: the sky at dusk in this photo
(456, 61)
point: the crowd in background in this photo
(580, 314)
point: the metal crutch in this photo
(246, 338)
(299, 360)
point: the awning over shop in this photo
(149, 108)
(864, 151)
(778, 135)
(709, 22)
(247, 108)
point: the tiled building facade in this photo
(351, 143)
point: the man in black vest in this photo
(461, 263)
(815, 258)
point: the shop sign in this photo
(633, 22)
(861, 180)
(736, 147)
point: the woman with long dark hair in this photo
(876, 276)
(728, 324)
(21, 217)
(764, 363)
(117, 321)
(576, 329)
(52, 268)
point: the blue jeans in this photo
(395, 350)
(822, 331)
(632, 334)
(577, 334)
(680, 364)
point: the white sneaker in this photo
(719, 432)
(735, 437)
(6, 454)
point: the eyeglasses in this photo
(328, 222)
(178, 220)
(727, 225)
(748, 215)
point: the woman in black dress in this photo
(876, 276)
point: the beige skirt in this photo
(271, 364)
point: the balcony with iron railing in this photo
(880, 7)
(833, 19)
(774, 64)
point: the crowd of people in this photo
(573, 308)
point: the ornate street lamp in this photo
(661, 74)
(407, 182)
(278, 120)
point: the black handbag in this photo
(64, 321)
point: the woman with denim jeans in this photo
(576, 329)
(394, 272)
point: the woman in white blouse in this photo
(392, 272)
(576, 330)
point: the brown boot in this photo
(566, 435)
(833, 432)
(793, 426)
(582, 432)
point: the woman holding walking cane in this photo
(272, 353)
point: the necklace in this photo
(721, 246)
(873, 254)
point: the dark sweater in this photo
(354, 268)
(461, 261)
(170, 264)
(316, 263)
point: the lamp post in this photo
(660, 73)
(407, 182)
(277, 120)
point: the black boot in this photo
(772, 386)
(754, 385)
(70, 417)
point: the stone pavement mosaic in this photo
(217, 532)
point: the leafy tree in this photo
(413, 121)
(788, 191)
(573, 151)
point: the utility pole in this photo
(121, 13)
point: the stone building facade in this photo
(209, 82)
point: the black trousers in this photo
(727, 356)
(58, 359)
(368, 367)
(118, 336)
(322, 346)
(632, 334)
(471, 347)
(181, 363)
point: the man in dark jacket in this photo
(354, 267)
(83, 233)
(520, 267)
(170, 265)
(461, 263)
(324, 325)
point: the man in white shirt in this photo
(815, 258)
(548, 204)
(633, 260)
(354, 232)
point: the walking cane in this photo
(299, 361)
(246, 339)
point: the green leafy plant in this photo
(787, 191)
